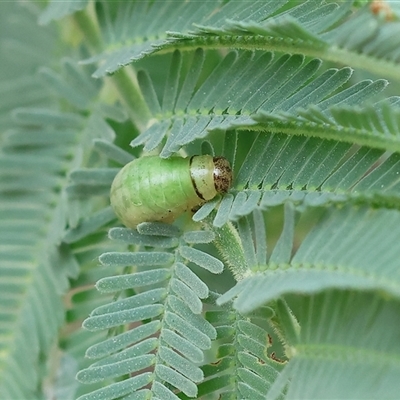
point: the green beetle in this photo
(157, 189)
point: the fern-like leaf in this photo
(134, 25)
(316, 28)
(168, 294)
(243, 354)
(224, 101)
(36, 266)
(33, 265)
(342, 250)
(361, 363)
(310, 172)
(375, 126)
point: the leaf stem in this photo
(89, 28)
(132, 97)
(124, 82)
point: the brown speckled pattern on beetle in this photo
(222, 174)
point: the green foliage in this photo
(286, 287)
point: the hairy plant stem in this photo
(229, 245)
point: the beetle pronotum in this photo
(157, 189)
